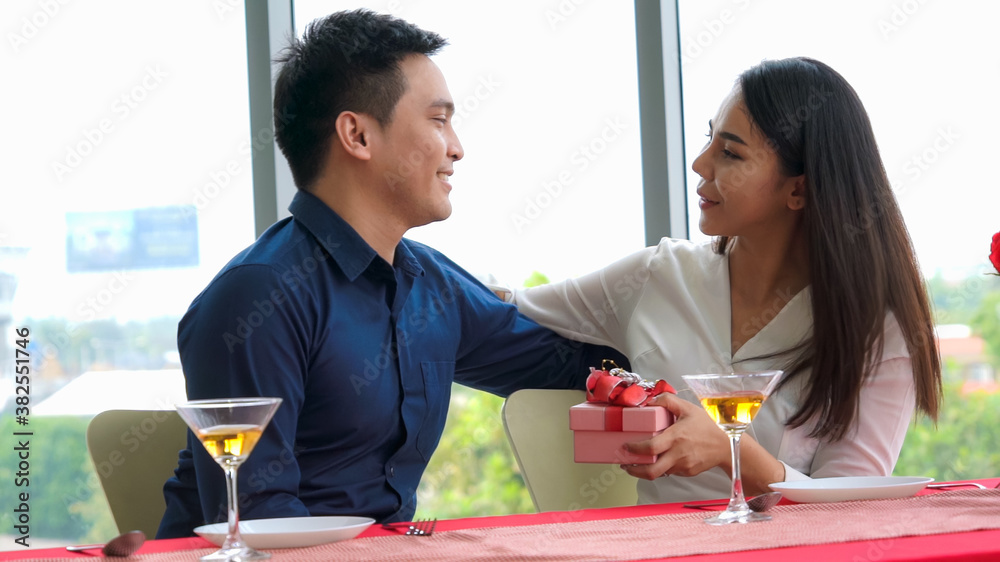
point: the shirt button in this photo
(392, 471)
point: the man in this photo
(358, 330)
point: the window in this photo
(127, 187)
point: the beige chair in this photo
(134, 453)
(537, 426)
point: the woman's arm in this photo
(885, 409)
(595, 308)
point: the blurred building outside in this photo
(964, 357)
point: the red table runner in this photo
(640, 532)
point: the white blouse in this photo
(667, 309)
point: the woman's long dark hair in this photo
(861, 260)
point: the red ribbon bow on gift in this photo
(616, 386)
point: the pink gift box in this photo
(600, 430)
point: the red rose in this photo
(995, 252)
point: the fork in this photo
(422, 527)
(958, 485)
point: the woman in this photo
(812, 271)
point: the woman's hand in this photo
(690, 446)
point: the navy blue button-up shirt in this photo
(362, 353)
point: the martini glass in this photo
(732, 401)
(229, 429)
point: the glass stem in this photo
(736, 499)
(233, 538)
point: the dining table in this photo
(960, 523)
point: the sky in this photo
(114, 113)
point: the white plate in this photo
(851, 488)
(290, 532)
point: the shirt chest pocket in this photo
(438, 376)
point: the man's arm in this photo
(246, 336)
(503, 350)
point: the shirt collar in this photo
(352, 254)
(788, 327)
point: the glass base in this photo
(727, 517)
(238, 554)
